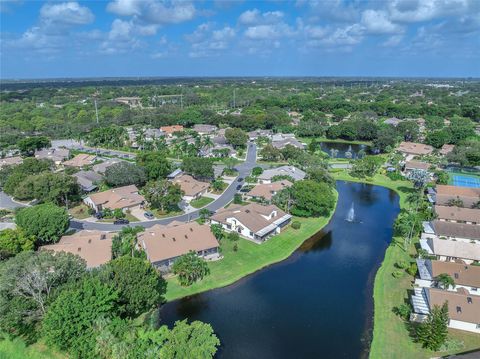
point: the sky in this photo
(399, 38)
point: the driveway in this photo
(244, 170)
(6, 202)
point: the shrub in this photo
(233, 236)
(412, 270)
(296, 225)
(402, 265)
(397, 273)
(403, 311)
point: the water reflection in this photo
(344, 150)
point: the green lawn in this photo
(249, 258)
(391, 338)
(201, 202)
(80, 211)
(17, 349)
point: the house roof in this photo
(462, 274)
(54, 154)
(415, 148)
(292, 171)
(458, 214)
(80, 160)
(174, 173)
(459, 307)
(267, 191)
(453, 191)
(457, 230)
(455, 249)
(417, 165)
(190, 185)
(86, 179)
(9, 161)
(287, 141)
(204, 128)
(164, 242)
(95, 247)
(121, 197)
(171, 129)
(252, 215)
(102, 167)
(446, 149)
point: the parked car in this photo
(99, 215)
(149, 215)
(121, 221)
(239, 187)
(240, 179)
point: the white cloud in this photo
(70, 13)
(377, 22)
(206, 41)
(154, 12)
(255, 17)
(424, 10)
(393, 41)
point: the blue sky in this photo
(240, 38)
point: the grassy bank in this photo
(391, 338)
(249, 258)
(17, 349)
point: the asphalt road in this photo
(244, 170)
(7, 202)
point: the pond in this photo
(341, 150)
(318, 302)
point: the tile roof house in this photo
(446, 149)
(458, 214)
(253, 221)
(170, 130)
(80, 160)
(291, 171)
(464, 275)
(253, 135)
(95, 247)
(191, 187)
(412, 148)
(88, 180)
(57, 155)
(463, 308)
(164, 244)
(446, 249)
(456, 230)
(205, 129)
(121, 197)
(468, 195)
(102, 167)
(10, 161)
(416, 165)
(281, 144)
(268, 190)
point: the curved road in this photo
(244, 170)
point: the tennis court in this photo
(465, 181)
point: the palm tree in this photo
(445, 281)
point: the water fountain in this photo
(351, 214)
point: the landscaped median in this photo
(249, 257)
(391, 338)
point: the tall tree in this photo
(434, 331)
(163, 194)
(190, 268)
(236, 137)
(124, 174)
(155, 164)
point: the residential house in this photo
(132, 102)
(57, 155)
(454, 230)
(80, 160)
(393, 121)
(414, 149)
(164, 244)
(253, 135)
(282, 141)
(458, 214)
(192, 188)
(290, 171)
(205, 129)
(10, 161)
(461, 196)
(102, 167)
(464, 275)
(416, 165)
(122, 197)
(170, 130)
(88, 180)
(253, 221)
(95, 247)
(153, 133)
(463, 308)
(265, 192)
(446, 149)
